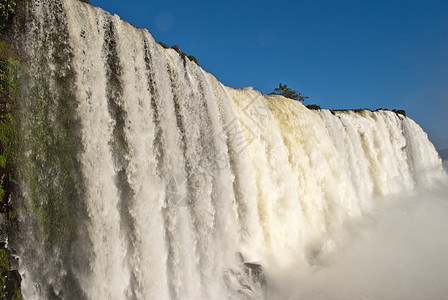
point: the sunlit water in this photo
(145, 176)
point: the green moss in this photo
(4, 266)
(6, 141)
(12, 215)
(3, 295)
(4, 260)
(8, 68)
(2, 187)
(17, 296)
(49, 146)
(3, 46)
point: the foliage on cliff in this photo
(7, 128)
(285, 91)
(313, 106)
(9, 279)
(7, 10)
(182, 54)
(399, 112)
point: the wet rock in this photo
(13, 260)
(246, 279)
(255, 271)
(4, 224)
(4, 208)
(12, 283)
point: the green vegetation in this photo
(182, 54)
(49, 148)
(9, 289)
(4, 260)
(8, 71)
(2, 186)
(176, 48)
(51, 168)
(17, 296)
(8, 143)
(399, 112)
(7, 10)
(7, 132)
(4, 267)
(165, 46)
(193, 59)
(285, 91)
(313, 106)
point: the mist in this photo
(397, 252)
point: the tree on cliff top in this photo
(285, 91)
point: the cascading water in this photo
(143, 176)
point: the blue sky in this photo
(342, 54)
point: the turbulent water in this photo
(143, 177)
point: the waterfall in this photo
(143, 177)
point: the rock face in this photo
(12, 283)
(255, 272)
(10, 279)
(247, 279)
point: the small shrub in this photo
(192, 58)
(165, 46)
(313, 106)
(399, 112)
(285, 91)
(176, 48)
